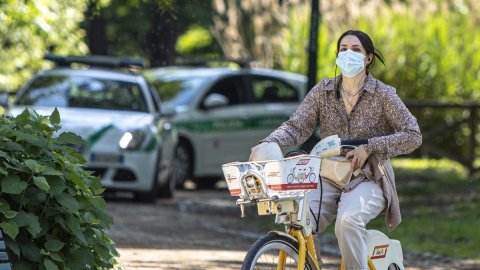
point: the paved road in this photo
(184, 233)
(203, 230)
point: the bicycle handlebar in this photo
(355, 142)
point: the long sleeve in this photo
(301, 124)
(406, 136)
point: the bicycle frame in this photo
(293, 213)
(306, 247)
(273, 187)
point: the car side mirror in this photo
(167, 111)
(215, 100)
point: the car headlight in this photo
(132, 140)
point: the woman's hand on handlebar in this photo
(358, 156)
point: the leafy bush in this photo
(51, 210)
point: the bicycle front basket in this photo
(273, 178)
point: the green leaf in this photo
(10, 228)
(79, 158)
(10, 214)
(13, 146)
(4, 205)
(68, 201)
(12, 245)
(29, 138)
(25, 116)
(30, 221)
(3, 171)
(31, 251)
(57, 185)
(54, 245)
(41, 183)
(77, 179)
(34, 165)
(55, 117)
(13, 185)
(51, 171)
(73, 225)
(98, 202)
(69, 138)
(56, 257)
(4, 155)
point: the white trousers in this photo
(352, 213)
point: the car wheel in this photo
(206, 182)
(182, 164)
(393, 266)
(167, 190)
(148, 196)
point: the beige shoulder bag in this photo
(337, 169)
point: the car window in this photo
(178, 90)
(232, 88)
(84, 92)
(268, 90)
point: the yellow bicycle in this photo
(265, 184)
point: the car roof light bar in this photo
(243, 63)
(96, 60)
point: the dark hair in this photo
(366, 43)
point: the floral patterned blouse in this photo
(379, 115)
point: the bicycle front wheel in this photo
(264, 254)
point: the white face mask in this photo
(350, 63)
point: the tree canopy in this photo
(29, 29)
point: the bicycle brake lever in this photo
(345, 149)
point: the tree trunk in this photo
(96, 31)
(162, 38)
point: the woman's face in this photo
(351, 42)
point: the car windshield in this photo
(83, 92)
(178, 90)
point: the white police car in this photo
(129, 142)
(222, 112)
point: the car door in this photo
(222, 128)
(272, 102)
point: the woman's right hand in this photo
(358, 156)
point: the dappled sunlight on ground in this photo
(148, 259)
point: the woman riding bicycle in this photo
(354, 105)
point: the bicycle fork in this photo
(305, 246)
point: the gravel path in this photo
(203, 230)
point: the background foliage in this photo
(431, 51)
(431, 48)
(439, 207)
(51, 210)
(29, 29)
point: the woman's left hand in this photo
(358, 156)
